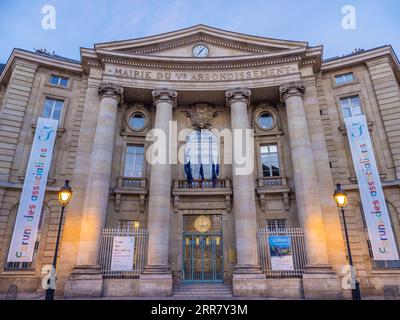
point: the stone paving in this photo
(40, 296)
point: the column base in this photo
(84, 281)
(320, 282)
(248, 281)
(155, 281)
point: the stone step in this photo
(203, 292)
(203, 289)
(218, 290)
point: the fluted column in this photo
(98, 184)
(243, 187)
(160, 189)
(305, 178)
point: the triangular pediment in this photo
(220, 43)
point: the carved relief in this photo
(201, 115)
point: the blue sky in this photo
(81, 23)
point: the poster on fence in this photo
(122, 253)
(280, 248)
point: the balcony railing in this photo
(272, 181)
(130, 182)
(202, 184)
(385, 265)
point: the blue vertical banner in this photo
(30, 206)
(369, 183)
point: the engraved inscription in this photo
(202, 76)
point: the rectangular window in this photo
(276, 224)
(270, 160)
(129, 224)
(134, 161)
(52, 108)
(58, 81)
(344, 78)
(351, 106)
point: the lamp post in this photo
(341, 200)
(64, 196)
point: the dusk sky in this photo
(81, 23)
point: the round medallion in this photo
(202, 224)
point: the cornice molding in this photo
(39, 60)
(198, 65)
(362, 57)
(205, 31)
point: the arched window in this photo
(202, 149)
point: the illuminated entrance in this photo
(202, 249)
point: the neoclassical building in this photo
(200, 222)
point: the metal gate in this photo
(202, 257)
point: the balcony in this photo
(268, 186)
(131, 183)
(222, 187)
(202, 184)
(130, 186)
(272, 182)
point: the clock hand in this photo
(201, 50)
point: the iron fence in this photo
(139, 253)
(298, 252)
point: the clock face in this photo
(200, 51)
(202, 224)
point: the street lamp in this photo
(341, 200)
(64, 196)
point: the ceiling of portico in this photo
(185, 98)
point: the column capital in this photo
(238, 94)
(291, 89)
(111, 90)
(166, 95)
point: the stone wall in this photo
(379, 94)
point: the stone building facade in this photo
(210, 79)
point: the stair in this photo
(202, 291)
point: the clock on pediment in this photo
(200, 51)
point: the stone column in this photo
(319, 280)
(157, 278)
(86, 278)
(247, 278)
